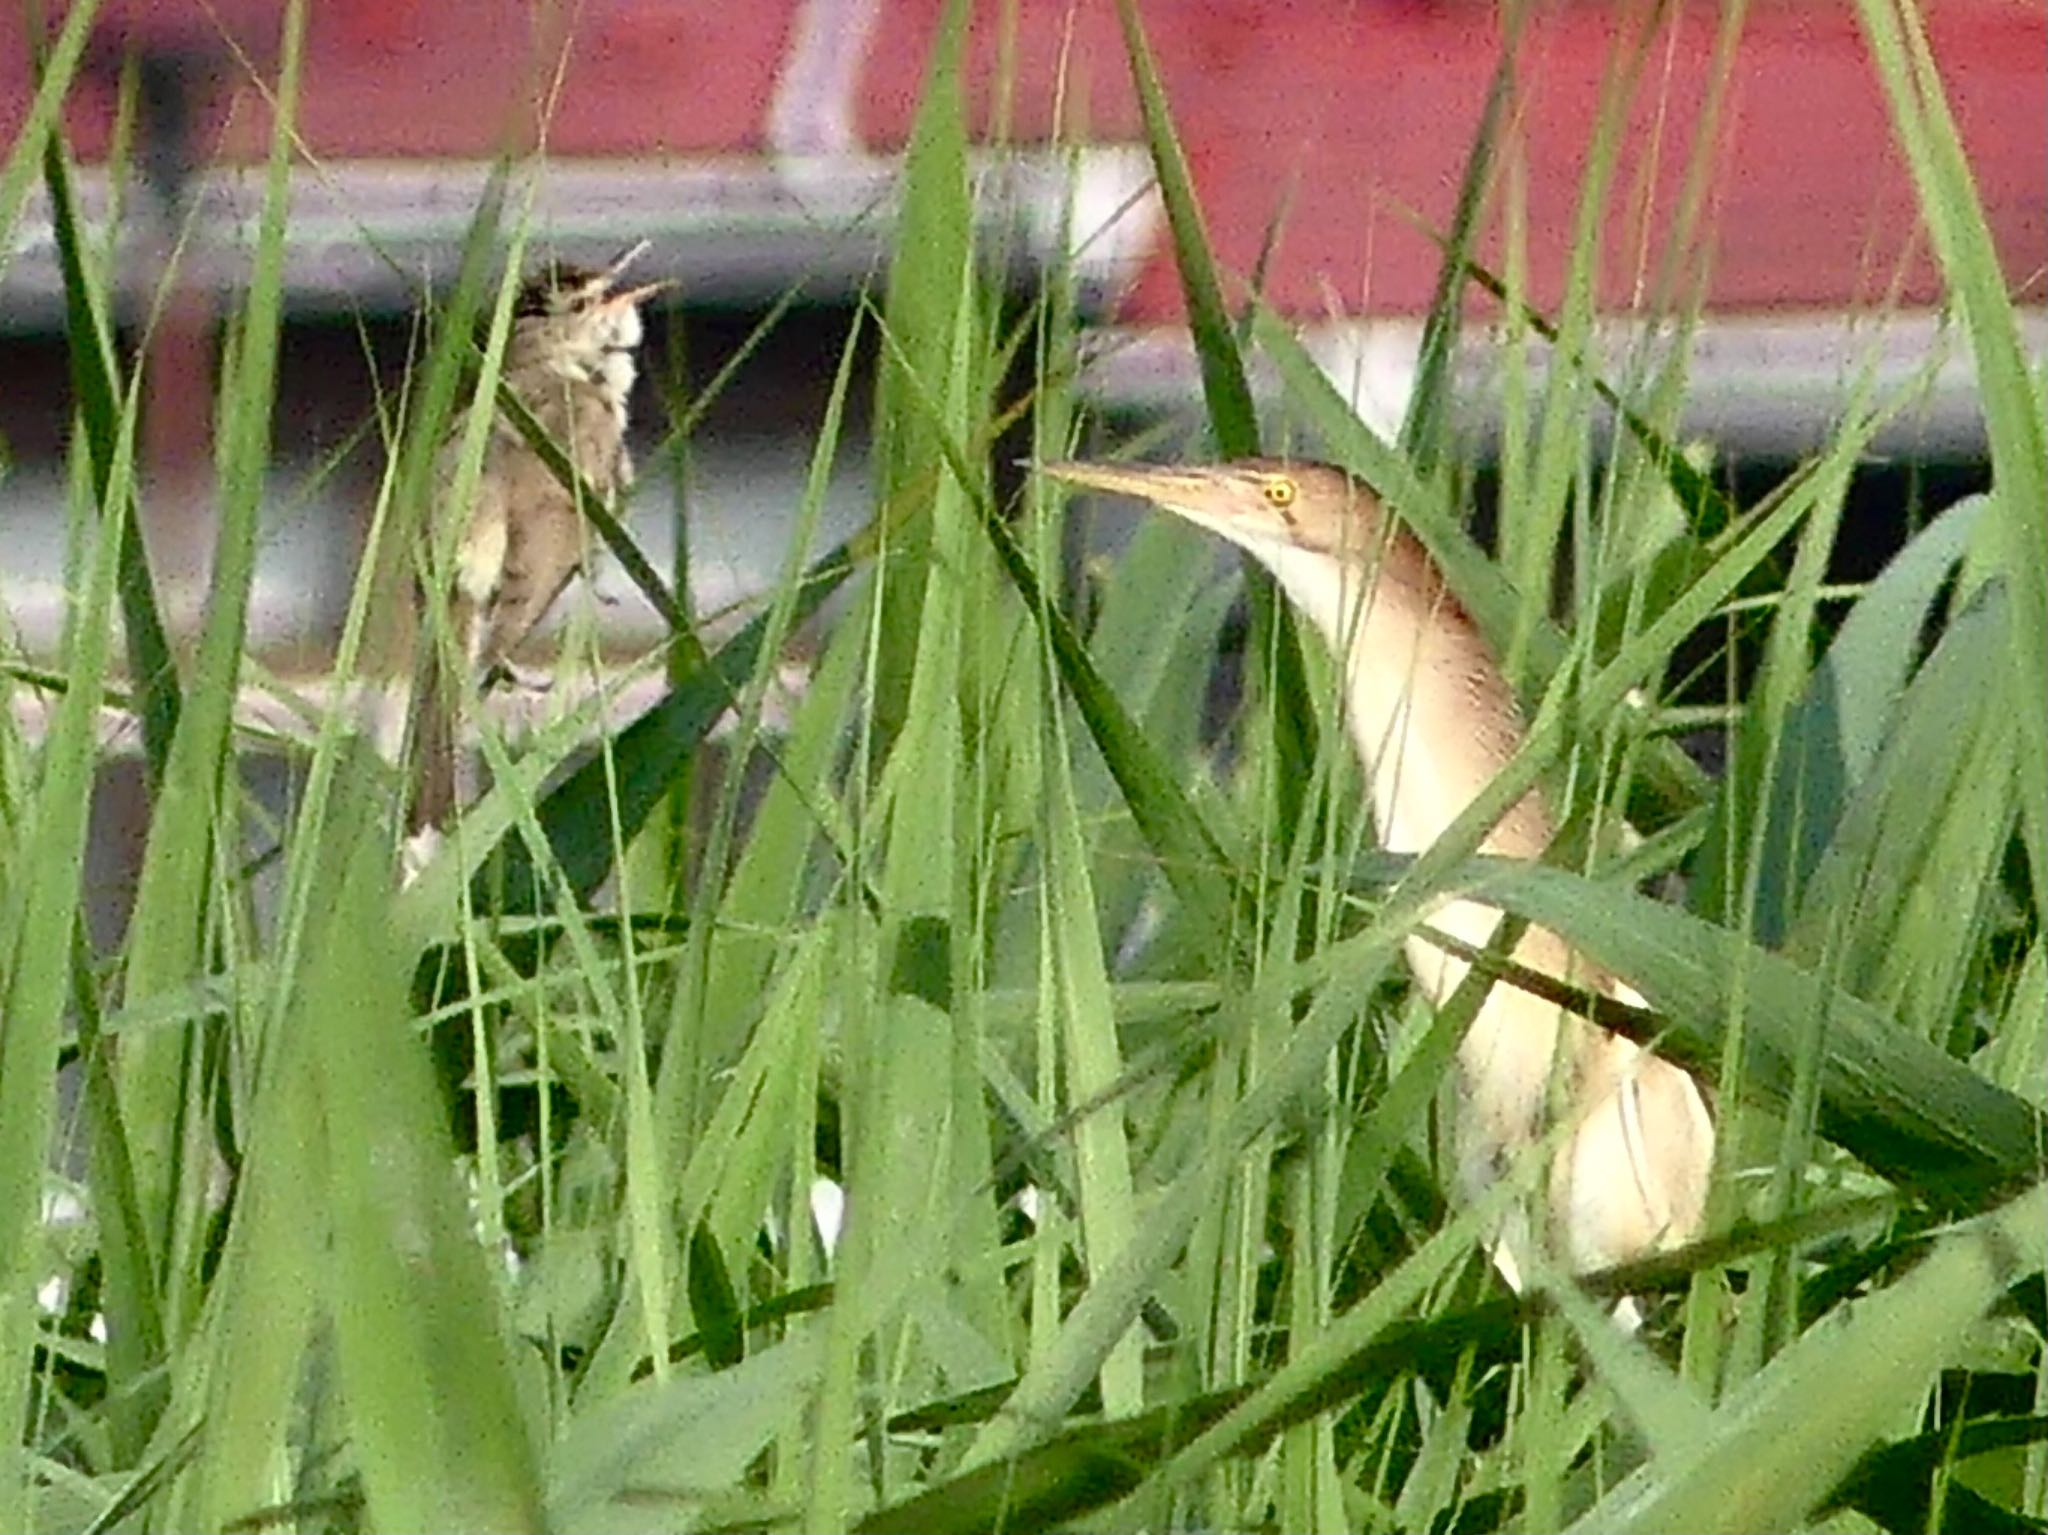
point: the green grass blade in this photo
(695, 1433)
(1934, 814)
(1425, 430)
(438, 380)
(604, 521)
(1776, 1452)
(54, 73)
(1232, 416)
(1075, 989)
(1833, 734)
(2011, 392)
(265, 1300)
(1533, 511)
(1739, 832)
(1233, 422)
(578, 817)
(1188, 852)
(426, 1363)
(43, 902)
(1706, 509)
(1154, 637)
(1351, 970)
(96, 383)
(931, 259)
(737, 924)
(1909, 1485)
(131, 1299)
(1179, 838)
(194, 802)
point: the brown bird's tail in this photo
(436, 706)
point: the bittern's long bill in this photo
(1433, 721)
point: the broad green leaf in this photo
(2014, 409)
(426, 1359)
(637, 1461)
(1775, 1452)
(1832, 736)
(1897, 900)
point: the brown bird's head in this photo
(578, 321)
(1263, 505)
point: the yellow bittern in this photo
(1433, 721)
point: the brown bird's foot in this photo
(524, 679)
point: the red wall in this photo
(1328, 116)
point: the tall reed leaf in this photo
(43, 900)
(2011, 391)
(1273, 642)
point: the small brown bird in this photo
(570, 360)
(1433, 721)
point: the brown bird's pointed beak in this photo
(633, 296)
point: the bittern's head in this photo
(579, 322)
(1264, 505)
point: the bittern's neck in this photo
(1423, 701)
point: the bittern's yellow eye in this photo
(1279, 492)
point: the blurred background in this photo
(753, 144)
